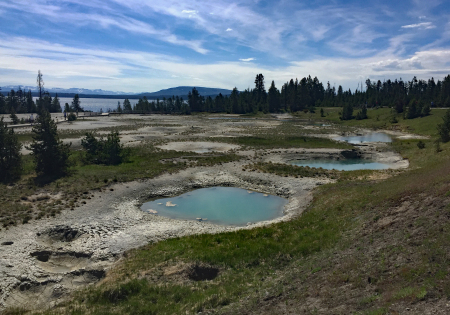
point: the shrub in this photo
(107, 151)
(72, 117)
(421, 144)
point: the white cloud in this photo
(229, 29)
(138, 71)
(189, 11)
(248, 59)
(108, 19)
(424, 25)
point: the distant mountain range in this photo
(6, 89)
(181, 91)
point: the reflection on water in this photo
(342, 165)
(372, 137)
(220, 205)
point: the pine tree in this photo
(444, 128)
(15, 120)
(75, 107)
(31, 106)
(412, 110)
(56, 105)
(426, 109)
(362, 114)
(10, 156)
(273, 98)
(347, 112)
(195, 101)
(127, 105)
(234, 101)
(49, 153)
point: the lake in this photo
(371, 137)
(95, 104)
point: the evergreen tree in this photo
(127, 105)
(49, 153)
(10, 156)
(412, 111)
(259, 83)
(44, 103)
(260, 101)
(347, 112)
(15, 120)
(55, 105)
(30, 105)
(234, 102)
(195, 101)
(273, 98)
(113, 150)
(444, 128)
(2, 104)
(426, 109)
(362, 114)
(76, 104)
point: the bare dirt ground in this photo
(42, 262)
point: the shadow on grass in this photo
(45, 179)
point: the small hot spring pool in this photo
(342, 165)
(372, 137)
(220, 205)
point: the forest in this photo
(308, 94)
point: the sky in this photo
(146, 46)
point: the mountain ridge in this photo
(181, 91)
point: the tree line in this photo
(20, 102)
(307, 94)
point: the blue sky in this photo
(140, 45)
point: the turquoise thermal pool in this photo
(220, 205)
(342, 165)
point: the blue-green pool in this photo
(342, 165)
(220, 205)
(372, 137)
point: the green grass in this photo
(381, 119)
